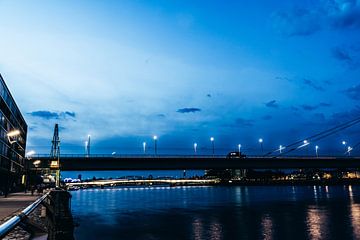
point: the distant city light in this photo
(13, 133)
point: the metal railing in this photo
(10, 224)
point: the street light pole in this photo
(195, 148)
(155, 144)
(213, 145)
(261, 145)
(239, 147)
(316, 150)
(144, 147)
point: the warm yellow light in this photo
(13, 133)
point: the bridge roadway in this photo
(148, 162)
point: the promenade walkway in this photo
(15, 202)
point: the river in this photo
(218, 212)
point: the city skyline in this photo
(126, 71)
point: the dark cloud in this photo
(52, 115)
(334, 14)
(241, 122)
(312, 84)
(323, 104)
(267, 117)
(345, 116)
(208, 95)
(341, 54)
(296, 22)
(353, 92)
(272, 104)
(347, 55)
(161, 115)
(188, 110)
(309, 107)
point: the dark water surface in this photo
(268, 212)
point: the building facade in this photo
(12, 146)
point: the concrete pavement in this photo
(14, 203)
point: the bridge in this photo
(166, 162)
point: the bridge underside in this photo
(174, 163)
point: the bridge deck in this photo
(77, 163)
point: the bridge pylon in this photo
(55, 154)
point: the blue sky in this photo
(123, 71)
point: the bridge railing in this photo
(152, 156)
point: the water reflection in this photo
(317, 223)
(267, 227)
(218, 213)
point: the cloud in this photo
(244, 122)
(272, 104)
(312, 84)
(353, 92)
(345, 116)
(52, 115)
(333, 14)
(267, 117)
(188, 110)
(208, 95)
(296, 22)
(161, 115)
(346, 55)
(309, 107)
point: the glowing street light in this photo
(344, 144)
(261, 145)
(281, 148)
(239, 147)
(213, 145)
(316, 150)
(155, 144)
(144, 147)
(349, 150)
(195, 147)
(13, 134)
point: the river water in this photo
(254, 212)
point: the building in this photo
(13, 131)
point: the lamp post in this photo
(213, 145)
(305, 145)
(344, 144)
(144, 147)
(316, 150)
(28, 156)
(195, 148)
(261, 145)
(155, 144)
(239, 147)
(349, 150)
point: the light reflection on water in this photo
(269, 212)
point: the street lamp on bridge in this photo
(144, 147)
(213, 145)
(239, 147)
(316, 150)
(155, 144)
(261, 145)
(349, 149)
(195, 148)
